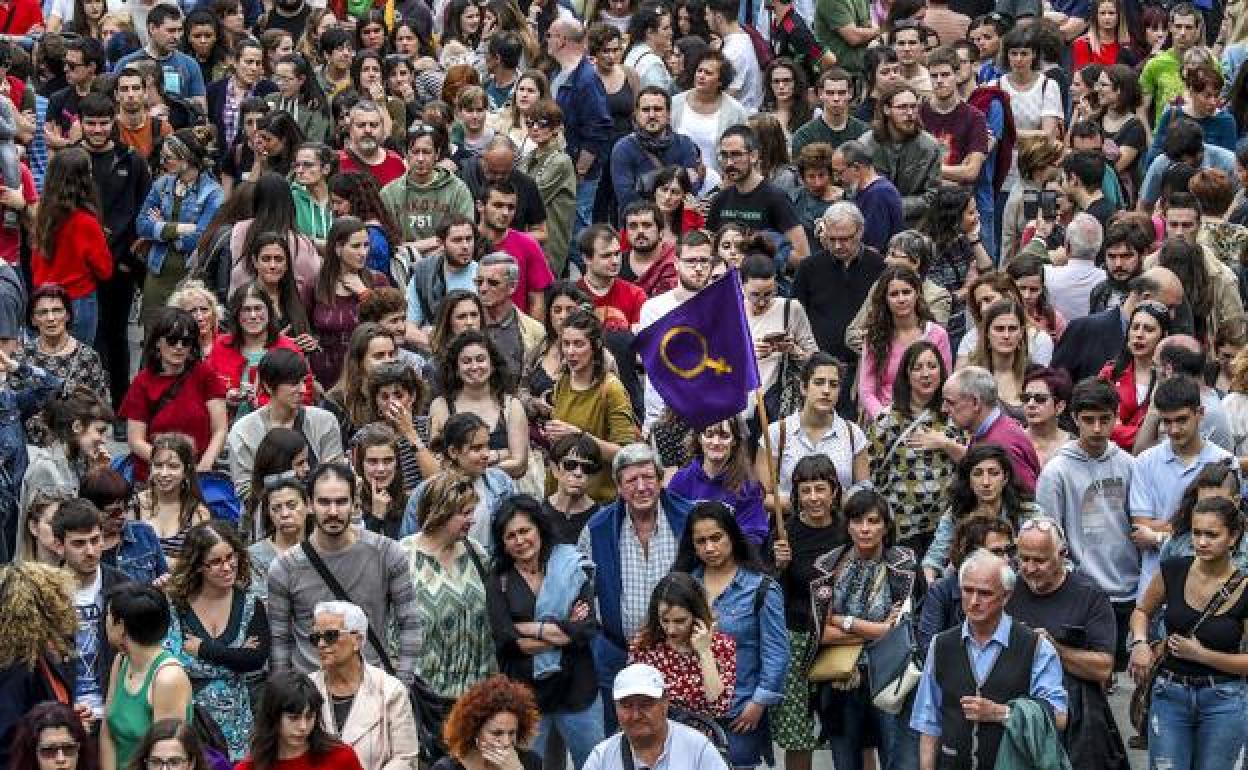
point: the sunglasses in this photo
(56, 749)
(570, 464)
(1004, 552)
(329, 637)
(1042, 524)
(185, 342)
(539, 123)
(1039, 398)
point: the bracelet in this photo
(847, 624)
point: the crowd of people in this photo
(397, 491)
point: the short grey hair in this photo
(983, 558)
(365, 105)
(503, 258)
(353, 618)
(844, 211)
(856, 153)
(978, 382)
(1084, 235)
(634, 454)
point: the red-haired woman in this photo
(489, 725)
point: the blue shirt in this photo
(182, 76)
(1046, 675)
(762, 639)
(1214, 157)
(1161, 477)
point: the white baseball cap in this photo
(638, 679)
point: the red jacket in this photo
(1131, 411)
(228, 363)
(81, 259)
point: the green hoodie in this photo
(420, 209)
(311, 218)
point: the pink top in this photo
(875, 386)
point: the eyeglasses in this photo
(1039, 398)
(225, 561)
(53, 750)
(329, 637)
(166, 763)
(1005, 551)
(539, 123)
(570, 464)
(733, 154)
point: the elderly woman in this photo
(50, 314)
(489, 725)
(541, 615)
(365, 707)
(198, 300)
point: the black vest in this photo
(967, 745)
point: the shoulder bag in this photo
(892, 664)
(1142, 697)
(837, 664)
(429, 708)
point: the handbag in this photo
(1141, 698)
(892, 664)
(428, 707)
(837, 664)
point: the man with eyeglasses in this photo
(834, 125)
(905, 153)
(1094, 339)
(749, 200)
(874, 195)
(371, 569)
(515, 333)
(969, 397)
(651, 147)
(693, 272)
(497, 212)
(78, 539)
(973, 671)
(1086, 487)
(1166, 470)
(1072, 613)
(427, 194)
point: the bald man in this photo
(497, 163)
(1095, 339)
(586, 119)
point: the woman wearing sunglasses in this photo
(1046, 392)
(175, 392)
(574, 460)
(51, 737)
(552, 170)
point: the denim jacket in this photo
(762, 639)
(199, 206)
(20, 398)
(138, 554)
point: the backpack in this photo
(762, 49)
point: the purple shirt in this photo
(1003, 431)
(691, 482)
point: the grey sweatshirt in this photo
(374, 573)
(1089, 495)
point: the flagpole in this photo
(772, 475)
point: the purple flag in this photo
(700, 356)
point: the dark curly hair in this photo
(962, 499)
(881, 326)
(50, 715)
(496, 695)
(453, 383)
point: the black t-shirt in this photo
(1103, 210)
(293, 24)
(1220, 633)
(1077, 604)
(63, 107)
(763, 208)
(807, 543)
(567, 528)
(530, 211)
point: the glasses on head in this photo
(330, 636)
(222, 562)
(419, 129)
(570, 464)
(165, 763)
(275, 480)
(1039, 398)
(1042, 524)
(54, 750)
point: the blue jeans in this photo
(898, 748)
(586, 191)
(86, 317)
(581, 731)
(1197, 728)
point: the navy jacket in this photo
(586, 118)
(629, 161)
(215, 94)
(1090, 342)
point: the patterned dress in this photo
(683, 674)
(457, 650)
(912, 480)
(219, 688)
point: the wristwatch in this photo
(847, 623)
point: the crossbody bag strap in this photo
(340, 594)
(476, 562)
(892, 449)
(1219, 599)
(169, 395)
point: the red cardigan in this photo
(228, 363)
(81, 259)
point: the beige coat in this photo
(380, 728)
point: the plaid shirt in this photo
(641, 570)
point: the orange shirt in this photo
(141, 138)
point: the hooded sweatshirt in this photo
(311, 218)
(1088, 495)
(419, 209)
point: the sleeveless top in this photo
(620, 106)
(130, 715)
(498, 434)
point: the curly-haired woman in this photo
(51, 737)
(36, 640)
(489, 725)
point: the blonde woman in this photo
(197, 299)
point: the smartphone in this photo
(1048, 204)
(1031, 205)
(774, 337)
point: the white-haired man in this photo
(970, 399)
(365, 707)
(974, 670)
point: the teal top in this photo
(130, 714)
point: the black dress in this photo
(528, 760)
